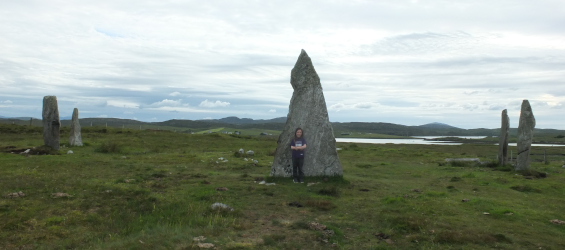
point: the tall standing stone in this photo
(503, 138)
(51, 123)
(75, 139)
(308, 111)
(525, 133)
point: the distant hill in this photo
(436, 125)
(431, 129)
(236, 120)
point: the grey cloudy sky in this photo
(404, 62)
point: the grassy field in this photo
(146, 189)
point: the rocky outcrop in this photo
(51, 123)
(503, 138)
(525, 133)
(75, 139)
(308, 111)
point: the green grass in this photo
(132, 189)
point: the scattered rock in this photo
(465, 200)
(60, 195)
(222, 206)
(241, 151)
(245, 159)
(108, 191)
(557, 222)
(308, 111)
(16, 195)
(295, 204)
(221, 159)
(270, 184)
(70, 152)
(205, 245)
(255, 161)
(259, 178)
(384, 237)
(486, 213)
(222, 189)
(262, 182)
(317, 226)
(75, 138)
(124, 157)
(311, 184)
(250, 152)
(199, 238)
(462, 159)
(526, 126)
(51, 123)
(26, 151)
(329, 233)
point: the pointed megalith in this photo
(51, 123)
(308, 111)
(525, 132)
(503, 138)
(75, 139)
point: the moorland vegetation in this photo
(153, 189)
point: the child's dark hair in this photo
(297, 131)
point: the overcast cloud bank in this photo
(405, 62)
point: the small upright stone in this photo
(525, 132)
(308, 111)
(503, 139)
(51, 123)
(75, 139)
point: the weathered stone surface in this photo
(503, 138)
(525, 132)
(308, 111)
(75, 139)
(51, 123)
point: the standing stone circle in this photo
(308, 111)
(51, 123)
(75, 139)
(503, 138)
(525, 133)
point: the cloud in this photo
(166, 103)
(272, 111)
(208, 104)
(337, 107)
(364, 105)
(102, 116)
(7, 102)
(176, 93)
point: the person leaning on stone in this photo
(297, 145)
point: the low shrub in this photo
(322, 205)
(109, 147)
(329, 191)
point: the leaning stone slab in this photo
(308, 111)
(75, 139)
(525, 133)
(463, 159)
(51, 123)
(503, 138)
